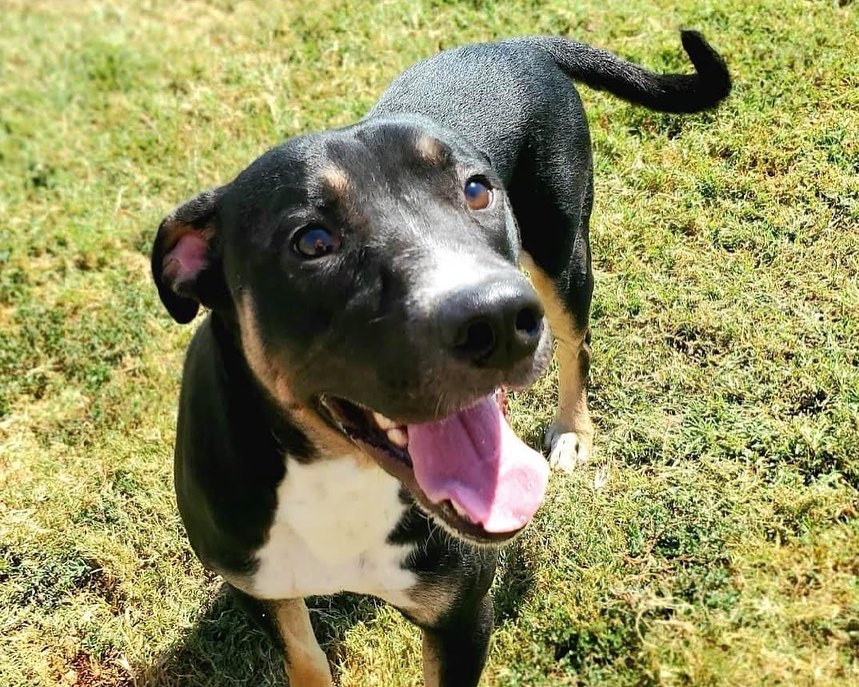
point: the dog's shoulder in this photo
(227, 461)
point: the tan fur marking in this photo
(432, 670)
(306, 663)
(429, 149)
(270, 373)
(335, 179)
(327, 441)
(264, 368)
(573, 356)
(431, 603)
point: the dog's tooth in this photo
(384, 422)
(398, 437)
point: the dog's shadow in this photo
(225, 648)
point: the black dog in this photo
(338, 418)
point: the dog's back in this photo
(497, 94)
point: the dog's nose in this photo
(492, 325)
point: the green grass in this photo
(724, 548)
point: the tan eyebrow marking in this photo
(335, 179)
(429, 149)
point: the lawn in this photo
(723, 547)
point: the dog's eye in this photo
(315, 241)
(478, 194)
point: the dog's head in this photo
(371, 277)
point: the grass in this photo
(724, 547)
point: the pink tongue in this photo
(473, 459)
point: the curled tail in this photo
(663, 92)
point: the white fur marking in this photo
(566, 450)
(329, 534)
(451, 272)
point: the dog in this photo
(339, 427)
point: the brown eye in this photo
(315, 241)
(478, 195)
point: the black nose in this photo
(494, 324)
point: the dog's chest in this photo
(330, 533)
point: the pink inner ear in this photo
(185, 260)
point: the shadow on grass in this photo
(514, 582)
(225, 648)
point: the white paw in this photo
(567, 450)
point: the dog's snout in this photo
(492, 325)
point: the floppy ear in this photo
(185, 265)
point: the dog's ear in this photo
(185, 261)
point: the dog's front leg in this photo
(306, 663)
(569, 439)
(454, 654)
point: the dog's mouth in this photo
(468, 469)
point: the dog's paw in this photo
(567, 450)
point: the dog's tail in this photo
(663, 92)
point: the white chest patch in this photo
(329, 534)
